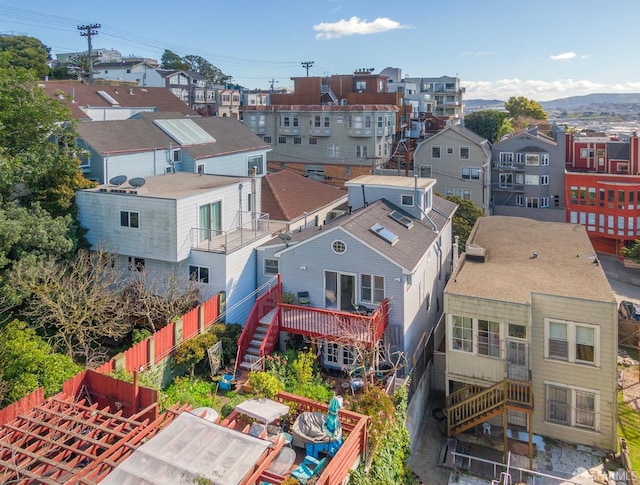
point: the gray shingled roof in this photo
(412, 243)
(142, 134)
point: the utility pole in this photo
(89, 31)
(307, 65)
(272, 81)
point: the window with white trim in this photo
(470, 173)
(435, 151)
(506, 157)
(464, 153)
(532, 202)
(425, 171)
(462, 333)
(449, 150)
(464, 194)
(544, 180)
(489, 342)
(339, 247)
(407, 200)
(544, 159)
(531, 179)
(130, 219)
(257, 162)
(544, 202)
(361, 151)
(271, 267)
(532, 159)
(571, 406)
(199, 274)
(519, 200)
(371, 288)
(572, 342)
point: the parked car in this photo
(630, 310)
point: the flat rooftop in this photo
(392, 181)
(170, 186)
(565, 264)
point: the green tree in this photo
(194, 350)
(464, 218)
(32, 167)
(26, 52)
(171, 60)
(489, 124)
(632, 252)
(28, 362)
(521, 107)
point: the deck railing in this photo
(334, 325)
(461, 411)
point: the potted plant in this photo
(288, 297)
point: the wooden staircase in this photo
(251, 358)
(473, 405)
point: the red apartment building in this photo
(602, 188)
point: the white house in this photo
(200, 226)
(157, 143)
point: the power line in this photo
(307, 65)
(89, 31)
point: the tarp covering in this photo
(190, 448)
(264, 410)
(309, 428)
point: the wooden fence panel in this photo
(190, 323)
(24, 405)
(211, 310)
(137, 357)
(164, 340)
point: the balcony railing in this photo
(249, 227)
(334, 325)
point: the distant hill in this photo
(570, 103)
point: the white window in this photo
(313, 141)
(425, 171)
(407, 200)
(571, 406)
(572, 342)
(544, 180)
(544, 202)
(470, 173)
(339, 247)
(449, 150)
(333, 151)
(532, 159)
(520, 157)
(532, 180)
(464, 194)
(332, 353)
(256, 162)
(462, 334)
(532, 202)
(506, 157)
(435, 152)
(130, 219)
(506, 180)
(271, 267)
(199, 273)
(361, 151)
(489, 342)
(380, 121)
(519, 200)
(297, 140)
(544, 159)
(464, 153)
(371, 288)
(176, 155)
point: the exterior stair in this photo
(473, 405)
(252, 356)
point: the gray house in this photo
(158, 143)
(527, 174)
(391, 251)
(459, 160)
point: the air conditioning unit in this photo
(343, 102)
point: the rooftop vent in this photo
(475, 253)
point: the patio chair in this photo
(303, 298)
(309, 468)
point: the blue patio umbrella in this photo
(331, 423)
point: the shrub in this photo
(265, 384)
(197, 393)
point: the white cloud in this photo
(355, 25)
(541, 90)
(563, 57)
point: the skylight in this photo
(404, 220)
(384, 233)
(184, 131)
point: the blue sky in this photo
(541, 49)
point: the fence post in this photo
(151, 343)
(200, 319)
(177, 331)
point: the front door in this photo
(517, 360)
(339, 290)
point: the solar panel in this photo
(404, 220)
(384, 233)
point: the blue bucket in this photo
(225, 383)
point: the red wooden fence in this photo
(190, 322)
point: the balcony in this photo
(288, 130)
(360, 132)
(507, 187)
(250, 227)
(509, 166)
(317, 131)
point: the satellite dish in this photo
(137, 182)
(284, 236)
(118, 180)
